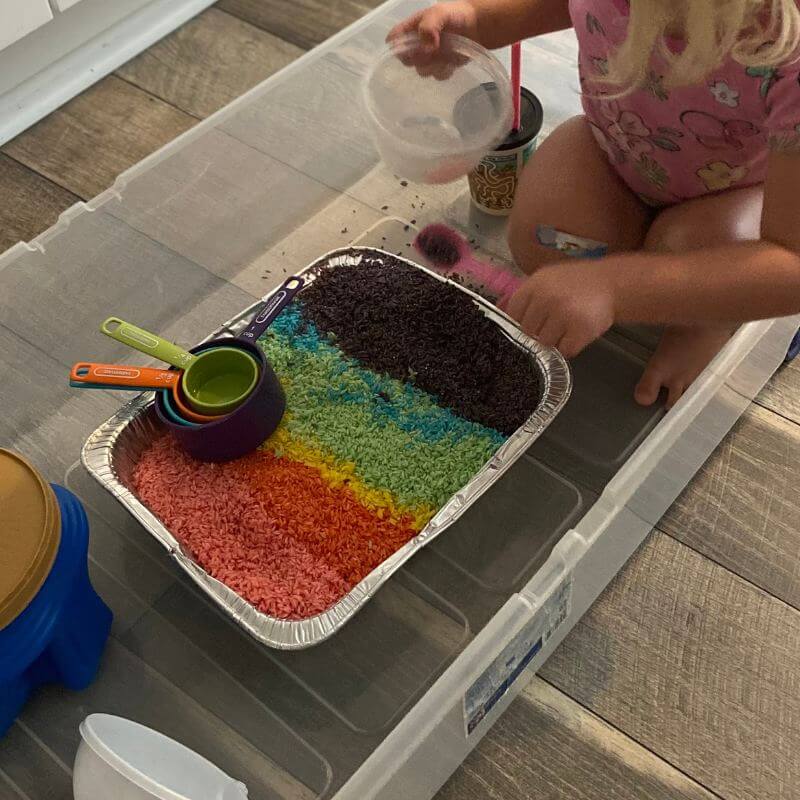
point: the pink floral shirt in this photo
(672, 145)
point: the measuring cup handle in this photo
(116, 375)
(146, 342)
(271, 308)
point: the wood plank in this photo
(208, 62)
(696, 665)
(782, 393)
(743, 508)
(30, 205)
(548, 746)
(304, 23)
(87, 142)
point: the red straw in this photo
(516, 65)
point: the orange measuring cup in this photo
(88, 375)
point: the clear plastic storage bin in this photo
(389, 707)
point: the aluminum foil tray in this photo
(111, 452)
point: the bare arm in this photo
(569, 304)
(492, 23)
(504, 22)
(735, 283)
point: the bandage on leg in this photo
(569, 245)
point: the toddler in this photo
(685, 165)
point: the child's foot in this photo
(682, 354)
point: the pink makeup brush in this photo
(450, 253)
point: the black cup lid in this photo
(530, 123)
(531, 114)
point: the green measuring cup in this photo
(215, 381)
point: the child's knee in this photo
(666, 236)
(733, 216)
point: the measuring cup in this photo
(265, 315)
(215, 382)
(173, 413)
(88, 375)
(239, 432)
(200, 385)
(271, 306)
(182, 408)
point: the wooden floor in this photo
(703, 699)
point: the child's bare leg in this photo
(683, 352)
(570, 186)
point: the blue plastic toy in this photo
(60, 636)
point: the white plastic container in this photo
(120, 759)
(433, 117)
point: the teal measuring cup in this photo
(215, 381)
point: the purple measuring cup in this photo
(247, 426)
(265, 314)
(268, 312)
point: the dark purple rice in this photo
(397, 320)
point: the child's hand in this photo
(566, 305)
(454, 17)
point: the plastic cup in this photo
(219, 380)
(173, 413)
(119, 758)
(241, 431)
(411, 98)
(183, 409)
(493, 182)
(177, 405)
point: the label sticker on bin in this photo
(501, 674)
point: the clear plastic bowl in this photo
(434, 117)
(119, 759)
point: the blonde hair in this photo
(755, 33)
